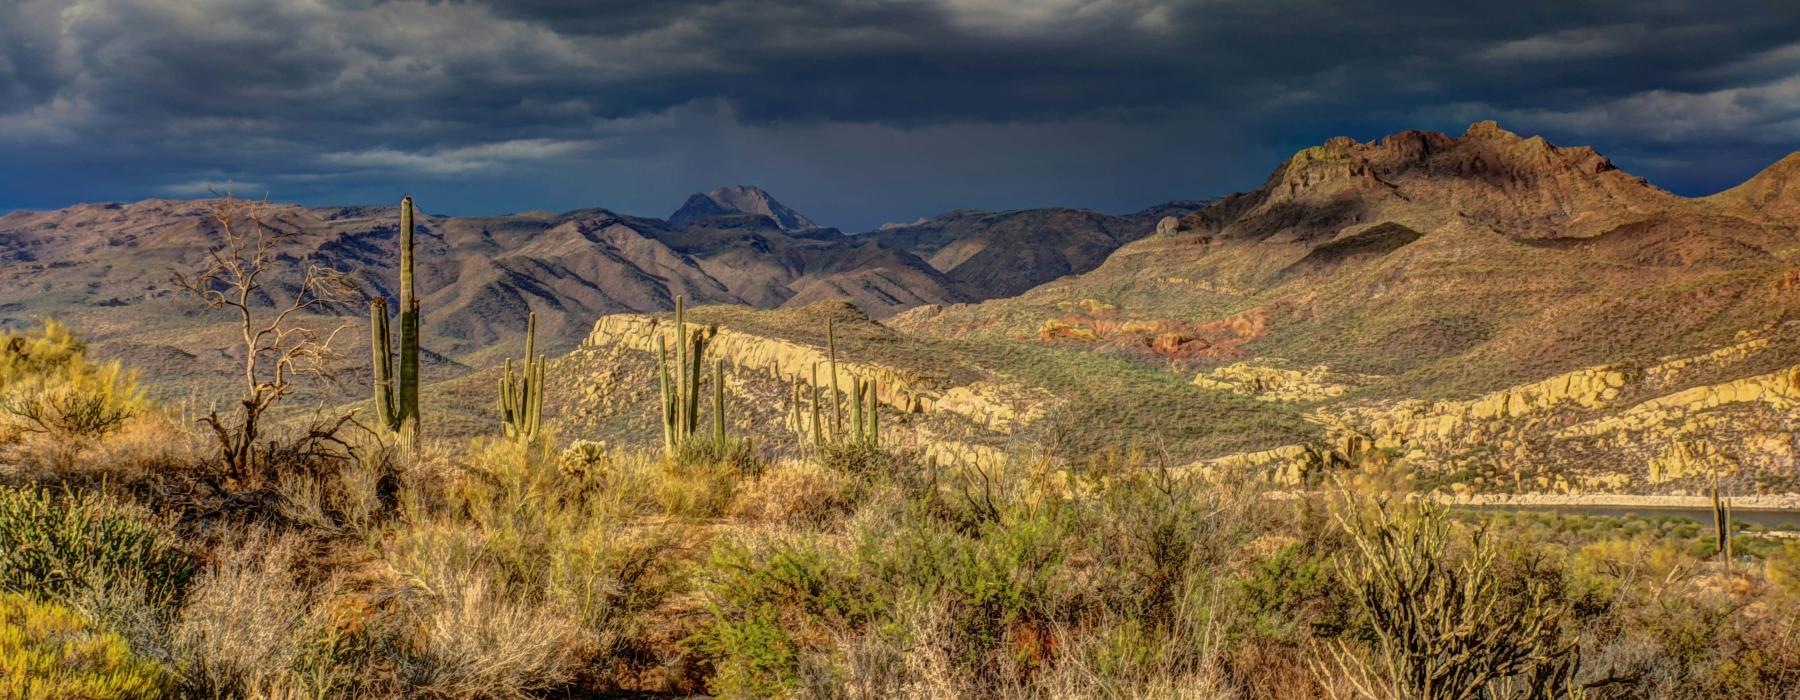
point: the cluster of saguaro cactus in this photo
(1721, 525)
(397, 402)
(865, 406)
(522, 394)
(680, 384)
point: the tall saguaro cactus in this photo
(522, 395)
(397, 403)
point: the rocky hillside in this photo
(960, 400)
(1390, 287)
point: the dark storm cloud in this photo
(855, 110)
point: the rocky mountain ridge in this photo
(1496, 312)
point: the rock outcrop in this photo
(1266, 381)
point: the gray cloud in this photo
(512, 104)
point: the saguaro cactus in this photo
(1721, 525)
(865, 421)
(719, 405)
(522, 395)
(680, 385)
(837, 410)
(397, 403)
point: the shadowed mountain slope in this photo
(1447, 264)
(996, 254)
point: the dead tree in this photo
(277, 344)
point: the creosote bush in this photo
(54, 543)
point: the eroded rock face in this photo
(1607, 421)
(1609, 428)
(1283, 466)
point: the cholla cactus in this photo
(583, 459)
(1443, 624)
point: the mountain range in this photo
(1486, 308)
(107, 268)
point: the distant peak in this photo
(1489, 129)
(739, 199)
(738, 191)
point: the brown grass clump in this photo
(798, 494)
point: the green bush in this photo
(1280, 588)
(48, 387)
(52, 544)
(45, 352)
(49, 652)
(774, 605)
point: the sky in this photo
(854, 112)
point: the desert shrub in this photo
(355, 497)
(855, 458)
(49, 388)
(1000, 586)
(1279, 591)
(519, 578)
(479, 636)
(695, 489)
(52, 544)
(258, 625)
(83, 406)
(46, 352)
(781, 607)
(242, 632)
(797, 494)
(1782, 567)
(776, 606)
(48, 652)
(1442, 622)
(1158, 528)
